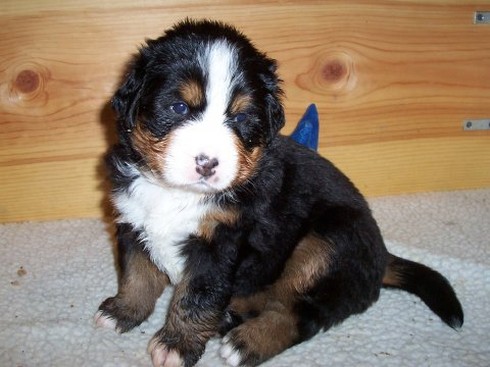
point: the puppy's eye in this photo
(180, 108)
(240, 117)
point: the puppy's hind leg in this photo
(261, 338)
(141, 284)
(270, 318)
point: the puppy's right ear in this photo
(126, 100)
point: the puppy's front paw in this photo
(104, 320)
(162, 356)
(259, 339)
(174, 349)
(230, 353)
(114, 313)
(236, 351)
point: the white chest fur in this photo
(166, 217)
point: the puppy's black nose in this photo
(205, 165)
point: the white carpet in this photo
(55, 274)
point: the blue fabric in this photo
(306, 132)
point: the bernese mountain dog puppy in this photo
(264, 240)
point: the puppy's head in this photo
(198, 106)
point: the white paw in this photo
(161, 356)
(104, 321)
(229, 353)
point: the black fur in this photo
(432, 288)
(292, 192)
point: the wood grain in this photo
(393, 81)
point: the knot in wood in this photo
(334, 71)
(27, 81)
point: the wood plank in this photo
(52, 190)
(55, 190)
(419, 165)
(387, 76)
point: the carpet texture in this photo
(54, 275)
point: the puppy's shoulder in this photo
(311, 173)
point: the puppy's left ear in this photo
(125, 101)
(273, 99)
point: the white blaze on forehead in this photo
(220, 66)
(208, 134)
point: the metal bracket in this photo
(472, 125)
(482, 17)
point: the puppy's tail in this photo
(429, 285)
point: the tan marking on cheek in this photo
(240, 103)
(247, 161)
(152, 149)
(212, 219)
(192, 93)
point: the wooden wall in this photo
(393, 81)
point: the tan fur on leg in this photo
(140, 286)
(275, 327)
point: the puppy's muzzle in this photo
(205, 165)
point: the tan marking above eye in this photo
(240, 103)
(192, 93)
